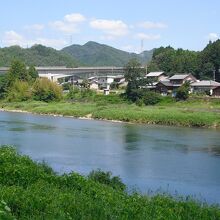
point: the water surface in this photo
(171, 159)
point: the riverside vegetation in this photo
(30, 190)
(20, 89)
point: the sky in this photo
(132, 26)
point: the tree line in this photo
(22, 83)
(203, 65)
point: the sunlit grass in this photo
(33, 191)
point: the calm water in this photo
(170, 159)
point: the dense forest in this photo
(203, 65)
(37, 55)
(95, 54)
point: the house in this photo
(120, 80)
(204, 86)
(170, 85)
(94, 85)
(156, 76)
(105, 81)
(178, 80)
(164, 87)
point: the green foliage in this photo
(32, 192)
(202, 64)
(210, 60)
(76, 93)
(37, 55)
(45, 90)
(95, 54)
(107, 179)
(19, 91)
(151, 98)
(182, 92)
(5, 212)
(32, 72)
(175, 61)
(3, 86)
(17, 71)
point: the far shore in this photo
(87, 117)
(188, 114)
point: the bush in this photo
(3, 86)
(80, 93)
(20, 91)
(151, 98)
(107, 179)
(182, 92)
(45, 90)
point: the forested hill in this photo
(95, 54)
(204, 64)
(37, 55)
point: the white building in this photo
(105, 81)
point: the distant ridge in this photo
(89, 54)
(37, 55)
(95, 54)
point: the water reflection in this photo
(151, 157)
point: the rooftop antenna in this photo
(142, 45)
(71, 39)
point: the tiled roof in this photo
(207, 83)
(179, 76)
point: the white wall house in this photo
(105, 81)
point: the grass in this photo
(191, 113)
(29, 190)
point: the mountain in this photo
(95, 54)
(37, 55)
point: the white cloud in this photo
(112, 28)
(70, 23)
(74, 18)
(152, 25)
(213, 36)
(144, 36)
(12, 38)
(64, 27)
(34, 27)
(55, 43)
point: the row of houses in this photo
(168, 85)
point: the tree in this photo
(133, 74)
(32, 72)
(19, 91)
(17, 71)
(211, 55)
(45, 90)
(3, 86)
(182, 92)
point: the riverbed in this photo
(183, 161)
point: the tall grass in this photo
(34, 191)
(191, 114)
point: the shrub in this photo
(151, 98)
(182, 92)
(45, 90)
(107, 179)
(19, 91)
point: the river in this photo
(183, 161)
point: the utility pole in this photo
(214, 75)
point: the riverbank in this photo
(187, 114)
(33, 191)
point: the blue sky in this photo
(122, 24)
